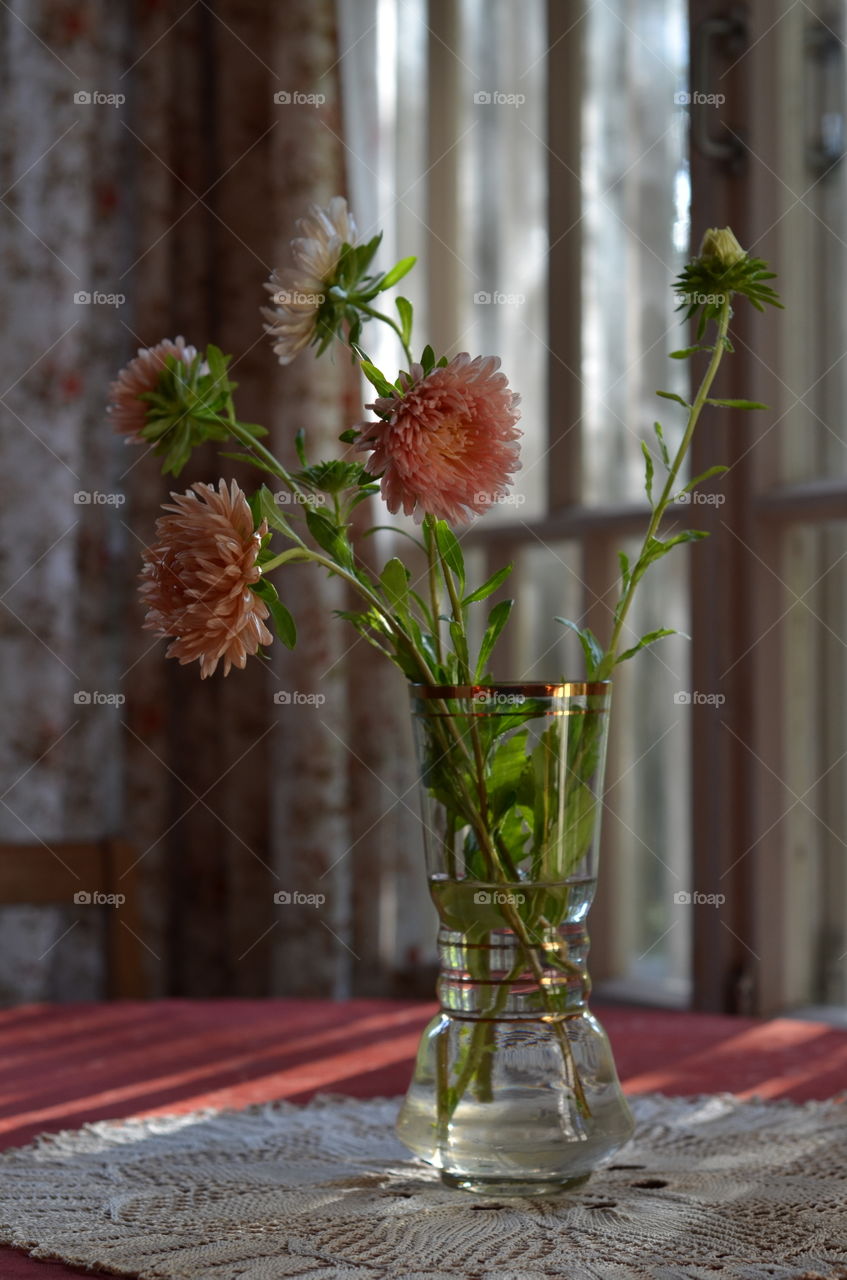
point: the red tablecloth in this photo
(63, 1065)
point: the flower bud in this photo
(720, 243)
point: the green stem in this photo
(610, 657)
(378, 315)
(434, 600)
(270, 462)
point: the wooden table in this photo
(63, 1065)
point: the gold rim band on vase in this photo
(481, 692)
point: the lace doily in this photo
(709, 1189)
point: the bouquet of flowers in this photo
(511, 781)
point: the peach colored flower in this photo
(447, 445)
(298, 291)
(196, 579)
(127, 412)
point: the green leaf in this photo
(450, 551)
(648, 471)
(254, 429)
(650, 638)
(329, 538)
(671, 395)
(738, 404)
(331, 476)
(659, 548)
(508, 763)
(685, 352)
(663, 448)
(365, 253)
(404, 308)
(488, 588)
(705, 475)
(427, 358)
(300, 446)
(244, 457)
(591, 646)
(263, 507)
(394, 580)
(497, 620)
(217, 362)
(623, 561)
(397, 272)
(377, 379)
(350, 436)
(284, 624)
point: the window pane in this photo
(503, 215)
(648, 818)
(636, 232)
(550, 584)
(813, 810)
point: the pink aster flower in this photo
(196, 579)
(298, 291)
(447, 445)
(127, 412)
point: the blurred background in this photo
(552, 165)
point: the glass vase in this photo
(515, 1089)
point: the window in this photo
(538, 159)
